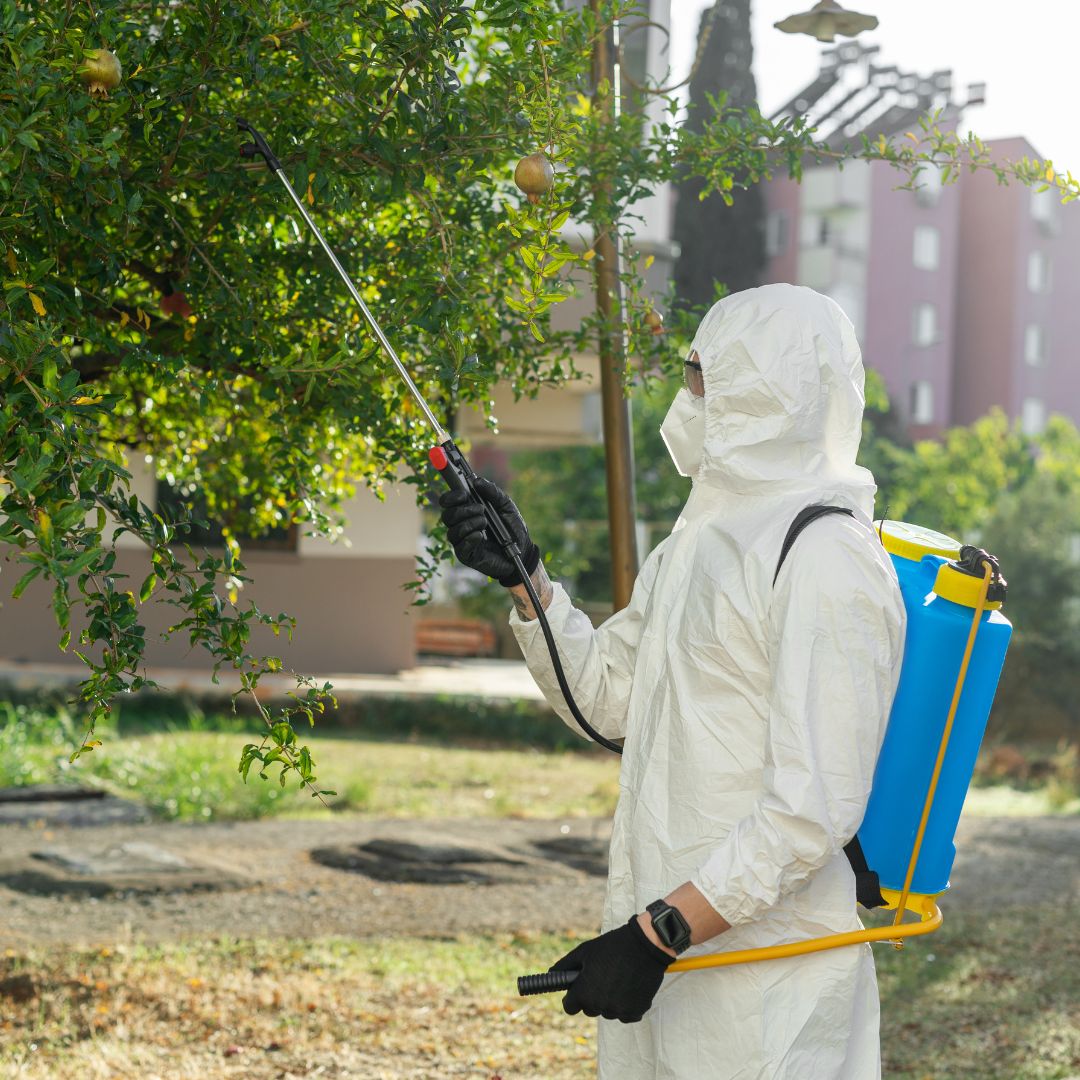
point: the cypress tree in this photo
(719, 243)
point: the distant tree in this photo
(717, 242)
(1035, 533)
(953, 484)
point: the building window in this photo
(926, 251)
(1032, 416)
(922, 402)
(1038, 272)
(814, 230)
(204, 532)
(928, 192)
(776, 233)
(1034, 344)
(1044, 210)
(924, 324)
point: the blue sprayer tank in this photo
(940, 597)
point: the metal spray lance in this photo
(447, 459)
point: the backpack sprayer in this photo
(954, 650)
(952, 595)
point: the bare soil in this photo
(284, 892)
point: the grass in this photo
(192, 775)
(992, 999)
(1004, 800)
(986, 998)
(444, 717)
(183, 766)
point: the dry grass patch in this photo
(993, 998)
(330, 1009)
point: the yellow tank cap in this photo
(912, 542)
(960, 588)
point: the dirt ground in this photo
(295, 969)
(1001, 862)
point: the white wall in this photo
(376, 528)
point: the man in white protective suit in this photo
(752, 712)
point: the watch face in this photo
(671, 928)
(666, 926)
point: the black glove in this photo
(620, 974)
(466, 527)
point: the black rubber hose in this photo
(547, 982)
(556, 663)
(554, 982)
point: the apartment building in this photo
(1017, 310)
(958, 292)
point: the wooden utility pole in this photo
(618, 445)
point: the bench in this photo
(455, 637)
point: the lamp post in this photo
(618, 443)
(825, 20)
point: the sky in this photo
(1026, 51)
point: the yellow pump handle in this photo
(930, 917)
(929, 920)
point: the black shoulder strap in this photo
(802, 519)
(867, 883)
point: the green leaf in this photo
(24, 581)
(148, 587)
(82, 561)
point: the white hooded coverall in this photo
(752, 714)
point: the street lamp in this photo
(825, 20)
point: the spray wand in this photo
(446, 458)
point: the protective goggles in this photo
(695, 381)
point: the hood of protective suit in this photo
(784, 396)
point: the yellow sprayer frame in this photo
(925, 906)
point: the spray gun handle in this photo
(258, 146)
(451, 464)
(547, 982)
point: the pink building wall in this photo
(782, 196)
(1063, 339)
(1000, 230)
(993, 303)
(979, 289)
(895, 286)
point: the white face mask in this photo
(683, 432)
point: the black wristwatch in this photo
(671, 928)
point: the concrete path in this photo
(493, 679)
